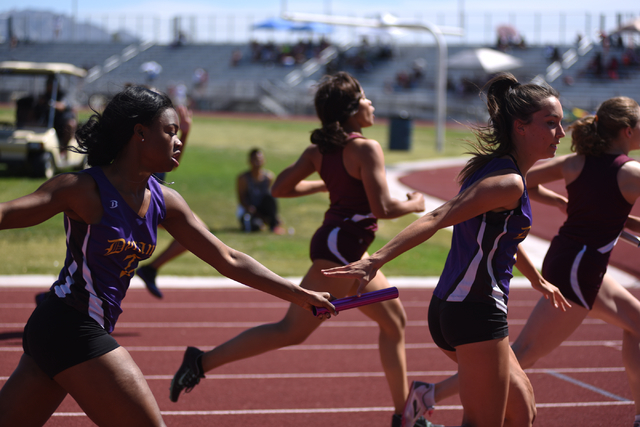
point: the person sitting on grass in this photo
(257, 208)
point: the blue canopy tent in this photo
(285, 25)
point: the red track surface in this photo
(333, 379)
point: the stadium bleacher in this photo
(250, 86)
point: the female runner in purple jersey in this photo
(602, 184)
(352, 170)
(111, 213)
(491, 215)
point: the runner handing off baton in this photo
(352, 171)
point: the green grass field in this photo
(215, 153)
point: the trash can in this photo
(400, 132)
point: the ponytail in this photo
(336, 100)
(507, 101)
(592, 135)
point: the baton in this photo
(355, 301)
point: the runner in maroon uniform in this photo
(602, 184)
(352, 171)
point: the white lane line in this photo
(346, 347)
(420, 374)
(345, 410)
(582, 384)
(328, 324)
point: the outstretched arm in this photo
(73, 194)
(543, 172)
(194, 236)
(369, 158)
(291, 181)
(539, 283)
(501, 191)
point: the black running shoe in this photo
(189, 374)
(396, 421)
(148, 276)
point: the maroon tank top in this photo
(349, 203)
(597, 210)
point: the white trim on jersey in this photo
(96, 312)
(464, 286)
(332, 244)
(64, 289)
(575, 285)
(497, 293)
(609, 246)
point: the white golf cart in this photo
(32, 144)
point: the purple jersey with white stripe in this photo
(101, 258)
(480, 263)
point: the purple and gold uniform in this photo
(473, 289)
(82, 308)
(596, 213)
(349, 226)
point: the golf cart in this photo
(37, 143)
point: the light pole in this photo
(438, 33)
(74, 19)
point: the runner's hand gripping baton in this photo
(355, 301)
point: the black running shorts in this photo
(338, 244)
(575, 269)
(58, 337)
(457, 323)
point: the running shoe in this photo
(148, 276)
(189, 374)
(419, 402)
(396, 421)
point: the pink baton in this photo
(354, 301)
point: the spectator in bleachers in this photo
(200, 78)
(596, 66)
(180, 39)
(285, 54)
(612, 68)
(236, 57)
(411, 79)
(630, 57)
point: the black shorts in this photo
(339, 244)
(457, 323)
(57, 336)
(575, 269)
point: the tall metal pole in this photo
(74, 19)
